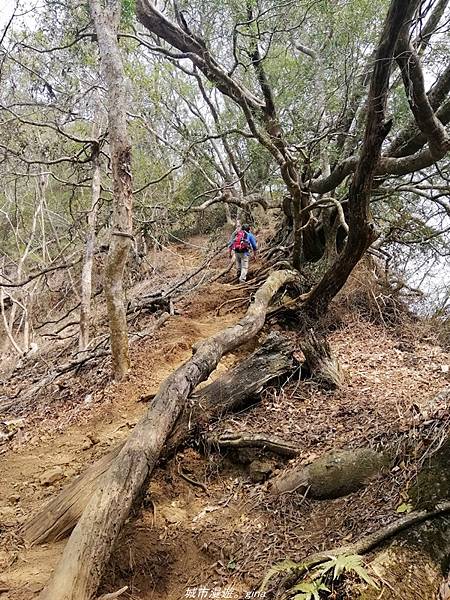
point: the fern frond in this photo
(283, 567)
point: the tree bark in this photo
(79, 571)
(234, 390)
(323, 365)
(333, 475)
(361, 229)
(86, 273)
(272, 444)
(106, 22)
(413, 79)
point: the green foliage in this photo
(346, 563)
(404, 507)
(128, 12)
(286, 566)
(309, 590)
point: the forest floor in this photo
(225, 537)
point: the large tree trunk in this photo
(106, 21)
(234, 390)
(361, 229)
(78, 573)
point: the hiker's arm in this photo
(253, 244)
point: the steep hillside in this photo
(206, 522)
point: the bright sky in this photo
(6, 9)
(25, 10)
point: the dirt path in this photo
(77, 431)
(69, 452)
(226, 538)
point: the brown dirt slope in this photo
(224, 539)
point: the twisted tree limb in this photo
(361, 228)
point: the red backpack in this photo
(241, 243)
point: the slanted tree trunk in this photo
(79, 571)
(106, 21)
(86, 273)
(234, 390)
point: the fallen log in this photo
(333, 475)
(150, 303)
(89, 547)
(234, 390)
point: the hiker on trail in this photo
(241, 242)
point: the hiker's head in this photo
(246, 227)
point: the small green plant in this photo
(345, 563)
(405, 507)
(309, 590)
(286, 566)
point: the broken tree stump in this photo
(322, 364)
(78, 573)
(234, 390)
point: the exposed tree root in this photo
(411, 566)
(272, 443)
(333, 475)
(234, 390)
(363, 546)
(183, 475)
